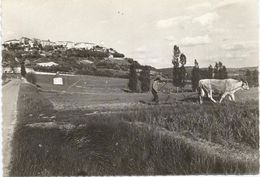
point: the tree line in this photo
(179, 79)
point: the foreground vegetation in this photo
(181, 138)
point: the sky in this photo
(145, 30)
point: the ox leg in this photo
(233, 97)
(201, 94)
(222, 97)
(200, 98)
(211, 97)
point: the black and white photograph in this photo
(130, 87)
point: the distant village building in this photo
(24, 40)
(112, 51)
(84, 45)
(70, 45)
(31, 43)
(61, 43)
(47, 43)
(99, 48)
(36, 41)
(13, 41)
(47, 64)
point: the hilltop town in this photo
(65, 56)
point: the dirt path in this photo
(9, 109)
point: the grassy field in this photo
(83, 83)
(94, 132)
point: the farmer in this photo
(155, 89)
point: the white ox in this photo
(221, 86)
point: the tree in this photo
(216, 71)
(220, 71)
(255, 78)
(182, 76)
(145, 79)
(23, 71)
(210, 72)
(195, 75)
(249, 77)
(179, 73)
(223, 72)
(132, 84)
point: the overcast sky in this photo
(146, 30)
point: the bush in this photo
(119, 55)
(31, 77)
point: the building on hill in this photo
(61, 43)
(65, 44)
(70, 45)
(25, 40)
(99, 48)
(36, 41)
(84, 45)
(13, 41)
(112, 51)
(47, 43)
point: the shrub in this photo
(31, 77)
(119, 55)
(220, 71)
(210, 72)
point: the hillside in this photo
(66, 57)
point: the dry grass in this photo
(230, 124)
(112, 144)
(109, 146)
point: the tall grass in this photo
(31, 104)
(230, 124)
(182, 138)
(108, 146)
